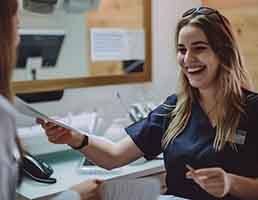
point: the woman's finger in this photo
(40, 121)
(54, 130)
(61, 137)
(210, 172)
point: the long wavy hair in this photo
(232, 77)
(8, 9)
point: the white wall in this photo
(165, 15)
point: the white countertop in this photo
(67, 173)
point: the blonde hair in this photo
(232, 77)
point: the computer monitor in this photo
(44, 44)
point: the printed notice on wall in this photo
(115, 44)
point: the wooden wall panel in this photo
(229, 3)
(245, 23)
(243, 15)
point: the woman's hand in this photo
(215, 181)
(88, 190)
(59, 135)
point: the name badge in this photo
(240, 136)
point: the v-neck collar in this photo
(203, 114)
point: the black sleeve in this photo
(250, 148)
(252, 105)
(147, 133)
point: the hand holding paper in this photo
(27, 110)
(58, 132)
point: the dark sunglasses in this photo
(201, 11)
(207, 11)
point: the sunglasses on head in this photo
(201, 11)
(206, 11)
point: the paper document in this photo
(28, 110)
(116, 44)
(128, 189)
(170, 197)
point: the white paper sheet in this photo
(28, 110)
(117, 44)
(170, 197)
(127, 189)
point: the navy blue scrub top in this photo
(194, 146)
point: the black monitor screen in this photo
(45, 46)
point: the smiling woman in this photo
(199, 62)
(131, 24)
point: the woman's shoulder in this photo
(251, 97)
(7, 126)
(171, 100)
(251, 103)
(6, 108)
(167, 106)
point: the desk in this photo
(65, 165)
